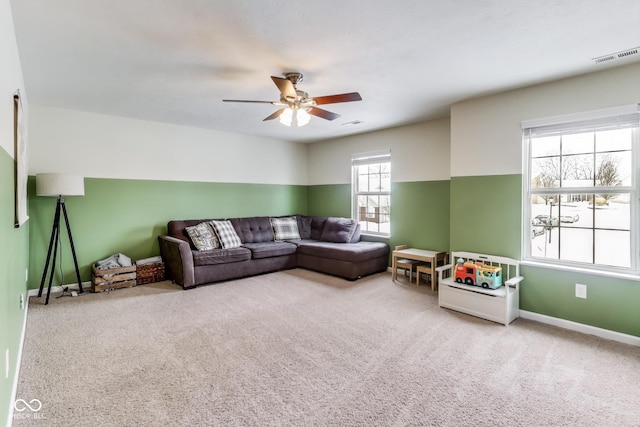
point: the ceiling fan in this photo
(297, 106)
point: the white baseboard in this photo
(72, 286)
(581, 327)
(14, 389)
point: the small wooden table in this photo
(432, 258)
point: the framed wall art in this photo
(20, 160)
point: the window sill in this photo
(377, 236)
(612, 274)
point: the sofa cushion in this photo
(285, 228)
(220, 256)
(304, 226)
(338, 230)
(253, 229)
(226, 234)
(203, 237)
(351, 252)
(270, 249)
(317, 225)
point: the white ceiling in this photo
(175, 60)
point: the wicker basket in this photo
(150, 273)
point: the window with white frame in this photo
(581, 198)
(371, 192)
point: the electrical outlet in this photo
(6, 364)
(581, 291)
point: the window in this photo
(371, 192)
(581, 196)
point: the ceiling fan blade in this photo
(244, 100)
(274, 115)
(319, 112)
(334, 99)
(285, 87)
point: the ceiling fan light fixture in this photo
(298, 107)
(295, 117)
(302, 117)
(286, 118)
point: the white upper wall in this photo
(486, 133)
(419, 152)
(102, 146)
(483, 137)
(10, 76)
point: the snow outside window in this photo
(580, 204)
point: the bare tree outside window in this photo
(608, 176)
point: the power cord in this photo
(65, 289)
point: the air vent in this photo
(617, 55)
(628, 52)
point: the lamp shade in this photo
(303, 117)
(58, 184)
(286, 117)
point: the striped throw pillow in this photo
(226, 234)
(285, 228)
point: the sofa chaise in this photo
(197, 252)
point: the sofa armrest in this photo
(178, 260)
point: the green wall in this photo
(127, 216)
(486, 214)
(612, 304)
(420, 213)
(13, 263)
(419, 216)
(330, 200)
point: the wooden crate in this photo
(150, 273)
(112, 278)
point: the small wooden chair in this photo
(408, 265)
(427, 269)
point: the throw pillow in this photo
(226, 234)
(203, 237)
(338, 230)
(285, 228)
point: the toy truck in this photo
(478, 274)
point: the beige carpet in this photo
(301, 348)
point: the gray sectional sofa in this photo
(326, 244)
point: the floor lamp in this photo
(58, 185)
